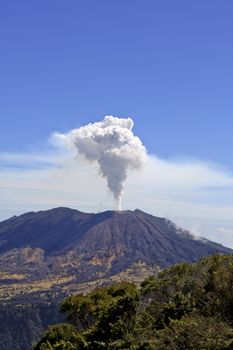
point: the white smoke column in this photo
(112, 144)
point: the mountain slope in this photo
(69, 242)
(48, 255)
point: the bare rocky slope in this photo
(67, 242)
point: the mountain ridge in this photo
(61, 229)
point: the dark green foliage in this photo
(187, 307)
(103, 319)
(105, 316)
(62, 337)
(193, 333)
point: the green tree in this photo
(61, 337)
(100, 320)
(186, 307)
(192, 333)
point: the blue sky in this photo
(167, 64)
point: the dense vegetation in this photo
(186, 307)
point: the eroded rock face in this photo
(64, 241)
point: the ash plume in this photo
(112, 144)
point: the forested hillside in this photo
(21, 325)
(185, 307)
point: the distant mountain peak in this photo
(90, 244)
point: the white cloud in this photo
(189, 174)
(196, 195)
(225, 231)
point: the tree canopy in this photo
(185, 307)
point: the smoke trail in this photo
(113, 145)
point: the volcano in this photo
(68, 242)
(48, 255)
